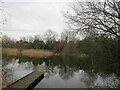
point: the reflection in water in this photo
(102, 81)
(61, 72)
(109, 81)
(19, 70)
(79, 80)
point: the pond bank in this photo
(36, 53)
(27, 52)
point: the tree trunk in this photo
(119, 53)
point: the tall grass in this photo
(27, 52)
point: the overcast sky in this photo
(30, 17)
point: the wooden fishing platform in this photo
(28, 82)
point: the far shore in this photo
(27, 52)
(34, 53)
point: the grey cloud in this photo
(34, 17)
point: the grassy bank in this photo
(27, 52)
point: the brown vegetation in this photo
(83, 55)
(4, 82)
(34, 52)
(10, 51)
(37, 53)
(27, 52)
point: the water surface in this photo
(62, 72)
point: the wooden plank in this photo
(28, 82)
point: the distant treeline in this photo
(94, 46)
(101, 50)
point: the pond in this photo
(61, 72)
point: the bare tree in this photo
(38, 37)
(50, 35)
(68, 35)
(96, 17)
(30, 38)
(6, 39)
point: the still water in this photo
(61, 72)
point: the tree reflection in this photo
(66, 72)
(65, 66)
